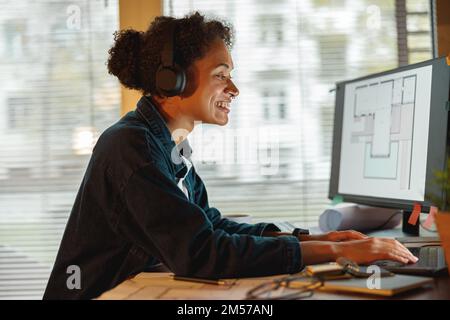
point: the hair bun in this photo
(124, 56)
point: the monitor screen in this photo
(390, 133)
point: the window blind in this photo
(287, 56)
(55, 98)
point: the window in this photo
(274, 104)
(19, 112)
(270, 29)
(56, 97)
(333, 55)
(14, 38)
(285, 100)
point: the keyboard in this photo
(284, 226)
(431, 261)
(429, 256)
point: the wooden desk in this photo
(160, 285)
(154, 286)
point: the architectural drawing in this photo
(383, 119)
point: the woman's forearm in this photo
(314, 252)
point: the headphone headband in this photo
(170, 78)
(167, 54)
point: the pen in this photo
(208, 281)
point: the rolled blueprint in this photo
(345, 216)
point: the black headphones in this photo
(170, 78)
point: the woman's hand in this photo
(335, 236)
(372, 249)
(362, 251)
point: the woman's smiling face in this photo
(210, 101)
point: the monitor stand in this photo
(408, 228)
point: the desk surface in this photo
(160, 285)
(154, 286)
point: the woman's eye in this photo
(221, 77)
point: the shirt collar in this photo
(147, 110)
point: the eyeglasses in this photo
(353, 269)
(300, 286)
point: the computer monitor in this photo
(390, 134)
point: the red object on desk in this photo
(430, 219)
(415, 214)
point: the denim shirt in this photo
(129, 214)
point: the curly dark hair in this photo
(135, 56)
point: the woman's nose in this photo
(232, 89)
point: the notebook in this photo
(389, 286)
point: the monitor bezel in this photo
(438, 145)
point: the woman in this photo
(141, 205)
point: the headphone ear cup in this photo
(170, 81)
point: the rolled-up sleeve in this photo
(161, 220)
(233, 227)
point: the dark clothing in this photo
(129, 214)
